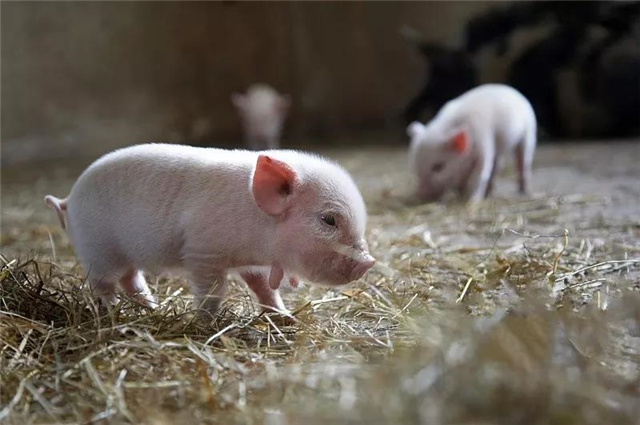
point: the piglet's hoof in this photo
(278, 319)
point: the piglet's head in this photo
(320, 217)
(441, 161)
(262, 110)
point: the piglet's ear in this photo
(460, 142)
(273, 182)
(415, 129)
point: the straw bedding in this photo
(512, 311)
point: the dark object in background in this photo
(534, 75)
(449, 74)
(619, 23)
(607, 68)
(534, 72)
(612, 89)
(610, 74)
(494, 27)
(499, 23)
(617, 91)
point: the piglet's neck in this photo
(255, 245)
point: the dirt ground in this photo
(514, 310)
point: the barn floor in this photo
(510, 311)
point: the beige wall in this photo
(87, 76)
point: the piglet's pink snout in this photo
(361, 268)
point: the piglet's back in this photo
(139, 198)
(494, 103)
(149, 173)
(164, 166)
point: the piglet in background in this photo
(212, 211)
(263, 112)
(463, 146)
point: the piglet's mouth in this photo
(339, 278)
(362, 259)
(341, 271)
(362, 267)
(430, 196)
(357, 272)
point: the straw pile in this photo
(514, 311)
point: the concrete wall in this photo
(88, 76)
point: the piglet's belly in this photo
(141, 243)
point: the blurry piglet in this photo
(463, 145)
(212, 211)
(263, 112)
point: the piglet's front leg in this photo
(268, 298)
(479, 178)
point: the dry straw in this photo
(493, 314)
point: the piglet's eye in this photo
(329, 220)
(437, 167)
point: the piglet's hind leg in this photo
(208, 292)
(105, 288)
(524, 160)
(495, 169)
